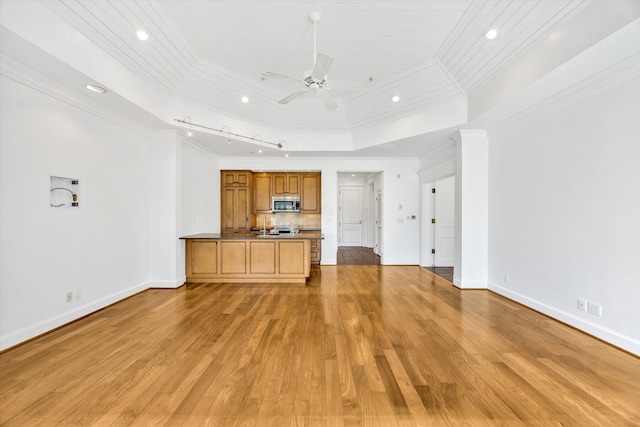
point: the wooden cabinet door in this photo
(228, 178)
(293, 185)
(228, 209)
(243, 178)
(286, 184)
(243, 208)
(235, 208)
(236, 200)
(262, 193)
(236, 178)
(279, 182)
(310, 196)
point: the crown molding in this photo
(200, 148)
(621, 71)
(32, 79)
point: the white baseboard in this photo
(469, 285)
(619, 340)
(47, 325)
(167, 284)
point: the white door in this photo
(445, 222)
(378, 247)
(350, 224)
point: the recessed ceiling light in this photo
(95, 88)
(395, 98)
(491, 33)
(286, 154)
(353, 174)
(245, 99)
(260, 151)
(189, 133)
(142, 35)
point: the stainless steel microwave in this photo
(285, 204)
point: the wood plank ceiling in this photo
(210, 53)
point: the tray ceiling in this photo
(210, 53)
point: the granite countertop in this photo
(302, 235)
(302, 230)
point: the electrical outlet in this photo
(78, 294)
(130, 278)
(582, 304)
(69, 296)
(594, 309)
(506, 278)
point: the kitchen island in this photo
(248, 257)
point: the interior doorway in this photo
(359, 225)
(438, 224)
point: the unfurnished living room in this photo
(319, 213)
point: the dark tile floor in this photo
(357, 255)
(352, 255)
(446, 272)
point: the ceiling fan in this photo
(314, 80)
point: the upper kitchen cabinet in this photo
(311, 196)
(236, 178)
(262, 192)
(285, 184)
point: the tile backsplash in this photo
(291, 220)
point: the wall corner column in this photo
(472, 209)
(166, 251)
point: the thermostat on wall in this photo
(63, 192)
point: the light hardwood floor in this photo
(360, 345)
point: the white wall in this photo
(349, 181)
(165, 251)
(471, 210)
(399, 184)
(100, 248)
(200, 191)
(564, 215)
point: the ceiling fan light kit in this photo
(315, 16)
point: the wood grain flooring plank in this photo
(405, 386)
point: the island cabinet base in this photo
(247, 261)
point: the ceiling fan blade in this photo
(329, 103)
(320, 69)
(270, 75)
(293, 96)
